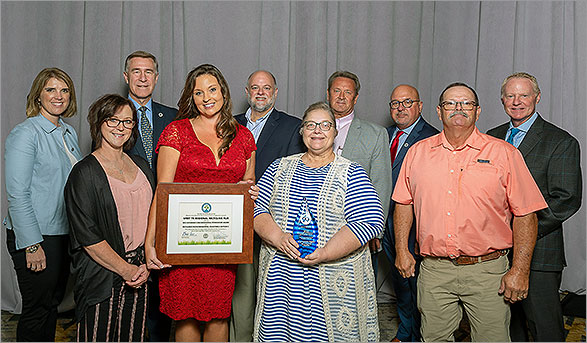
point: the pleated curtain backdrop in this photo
(425, 44)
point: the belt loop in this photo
(479, 259)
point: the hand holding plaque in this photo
(305, 230)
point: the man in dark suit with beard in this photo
(553, 158)
(141, 72)
(276, 135)
(405, 108)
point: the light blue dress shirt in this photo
(524, 127)
(36, 169)
(149, 113)
(402, 139)
(256, 126)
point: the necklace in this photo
(120, 170)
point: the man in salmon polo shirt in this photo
(465, 189)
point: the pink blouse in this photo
(132, 203)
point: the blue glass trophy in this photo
(305, 230)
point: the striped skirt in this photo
(121, 318)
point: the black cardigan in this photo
(93, 218)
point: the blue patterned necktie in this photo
(513, 133)
(147, 135)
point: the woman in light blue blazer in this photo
(39, 155)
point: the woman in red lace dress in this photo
(203, 144)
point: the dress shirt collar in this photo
(344, 121)
(525, 126)
(408, 129)
(248, 116)
(148, 105)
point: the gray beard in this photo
(263, 108)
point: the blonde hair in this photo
(521, 75)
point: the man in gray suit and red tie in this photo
(553, 158)
(405, 108)
(141, 72)
(276, 135)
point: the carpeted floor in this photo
(388, 321)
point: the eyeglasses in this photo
(113, 122)
(406, 103)
(311, 125)
(452, 105)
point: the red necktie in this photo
(393, 148)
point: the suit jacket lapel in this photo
(502, 130)
(350, 145)
(268, 129)
(241, 119)
(533, 136)
(412, 138)
(157, 122)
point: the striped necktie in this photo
(513, 133)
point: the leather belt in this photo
(467, 260)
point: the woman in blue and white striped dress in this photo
(321, 286)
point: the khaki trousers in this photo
(443, 287)
(244, 298)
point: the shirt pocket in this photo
(483, 180)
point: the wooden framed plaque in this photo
(204, 223)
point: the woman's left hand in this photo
(254, 190)
(140, 277)
(318, 256)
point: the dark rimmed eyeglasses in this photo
(407, 103)
(113, 122)
(311, 125)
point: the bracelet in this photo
(33, 248)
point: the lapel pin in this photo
(160, 115)
(406, 145)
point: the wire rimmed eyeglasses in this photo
(450, 105)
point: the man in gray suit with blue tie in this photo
(553, 158)
(359, 140)
(405, 108)
(141, 72)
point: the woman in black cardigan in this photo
(108, 195)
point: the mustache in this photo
(458, 113)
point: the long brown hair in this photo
(226, 125)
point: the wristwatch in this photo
(33, 248)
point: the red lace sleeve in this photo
(248, 141)
(171, 136)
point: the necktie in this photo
(513, 133)
(147, 135)
(393, 148)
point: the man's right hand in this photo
(405, 264)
